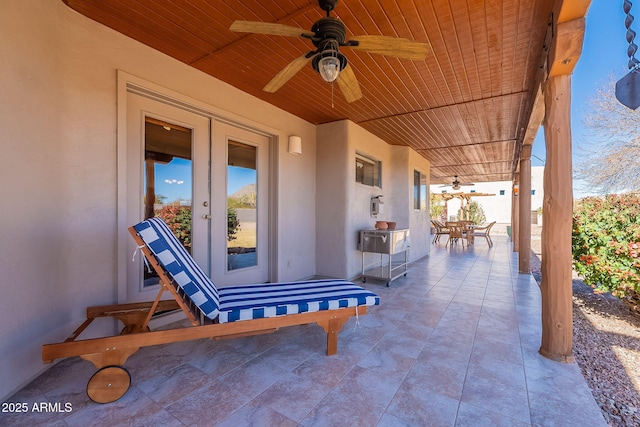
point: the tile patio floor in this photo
(452, 344)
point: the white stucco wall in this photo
(343, 205)
(58, 165)
(498, 208)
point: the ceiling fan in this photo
(457, 184)
(328, 34)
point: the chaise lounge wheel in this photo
(108, 384)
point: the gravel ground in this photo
(606, 346)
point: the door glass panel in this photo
(168, 175)
(242, 196)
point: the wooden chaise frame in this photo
(109, 354)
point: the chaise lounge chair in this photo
(213, 313)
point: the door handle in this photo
(207, 216)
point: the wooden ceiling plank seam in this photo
(439, 135)
(509, 17)
(425, 132)
(268, 69)
(375, 83)
(405, 93)
(463, 32)
(369, 58)
(242, 37)
(478, 20)
(471, 117)
(414, 64)
(453, 125)
(199, 19)
(396, 132)
(494, 14)
(419, 132)
(418, 24)
(408, 33)
(438, 45)
(180, 34)
(451, 44)
(194, 22)
(129, 25)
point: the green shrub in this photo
(474, 212)
(606, 244)
(233, 224)
(178, 218)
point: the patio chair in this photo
(484, 232)
(458, 232)
(440, 228)
(213, 313)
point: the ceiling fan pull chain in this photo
(332, 106)
(632, 49)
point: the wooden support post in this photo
(557, 316)
(524, 253)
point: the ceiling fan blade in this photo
(349, 84)
(287, 72)
(268, 28)
(392, 46)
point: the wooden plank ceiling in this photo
(465, 107)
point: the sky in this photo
(174, 179)
(604, 54)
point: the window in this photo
(419, 191)
(533, 192)
(502, 192)
(368, 171)
(168, 187)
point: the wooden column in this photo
(557, 316)
(524, 234)
(515, 220)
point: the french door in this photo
(209, 180)
(240, 185)
(167, 176)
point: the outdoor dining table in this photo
(468, 227)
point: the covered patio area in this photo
(455, 343)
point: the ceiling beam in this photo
(473, 144)
(439, 107)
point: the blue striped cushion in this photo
(180, 265)
(278, 299)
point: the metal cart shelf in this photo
(387, 243)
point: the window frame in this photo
(420, 191)
(376, 165)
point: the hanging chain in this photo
(631, 35)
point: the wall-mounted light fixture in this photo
(295, 145)
(516, 189)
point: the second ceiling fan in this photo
(328, 35)
(457, 184)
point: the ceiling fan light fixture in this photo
(329, 63)
(329, 68)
